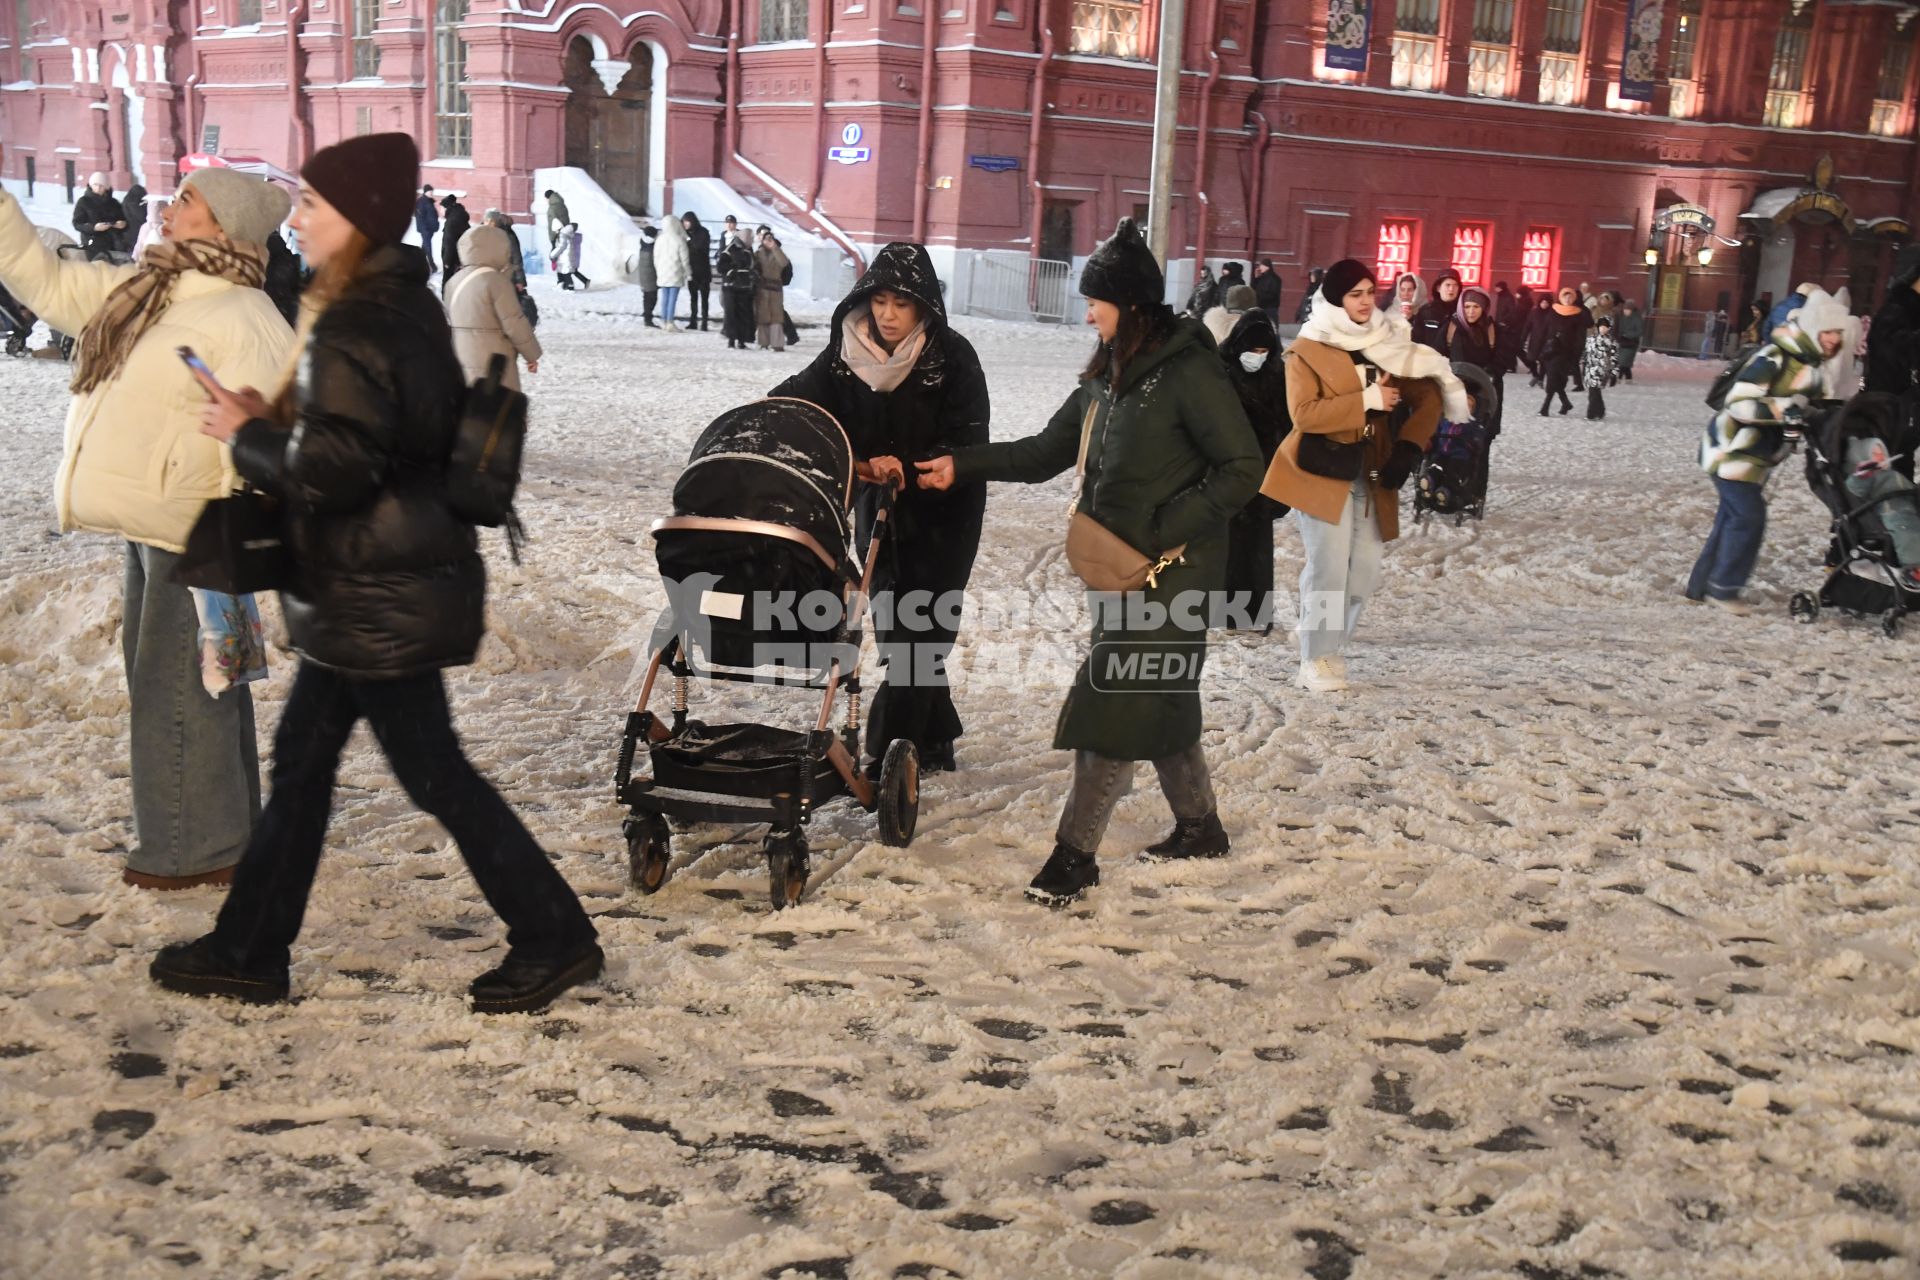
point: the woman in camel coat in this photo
(484, 308)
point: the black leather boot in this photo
(197, 969)
(1065, 879)
(1199, 838)
(520, 985)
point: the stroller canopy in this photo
(779, 461)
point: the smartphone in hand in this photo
(199, 369)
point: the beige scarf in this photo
(869, 361)
(136, 305)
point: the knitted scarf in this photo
(1386, 342)
(135, 306)
(870, 361)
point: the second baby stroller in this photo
(763, 589)
(1452, 480)
(1859, 455)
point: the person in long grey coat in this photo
(484, 309)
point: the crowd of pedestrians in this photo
(332, 383)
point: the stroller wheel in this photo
(1803, 607)
(649, 850)
(899, 793)
(787, 868)
(1890, 622)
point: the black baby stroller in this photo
(763, 589)
(1452, 480)
(1863, 574)
(16, 322)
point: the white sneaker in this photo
(1738, 608)
(670, 327)
(1323, 675)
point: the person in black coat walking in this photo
(1314, 277)
(134, 206)
(426, 221)
(734, 265)
(700, 270)
(1893, 342)
(389, 591)
(1563, 346)
(284, 278)
(907, 387)
(455, 222)
(1267, 289)
(1251, 354)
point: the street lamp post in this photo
(1166, 118)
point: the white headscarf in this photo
(1387, 343)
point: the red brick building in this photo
(1535, 140)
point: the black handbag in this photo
(238, 546)
(1321, 455)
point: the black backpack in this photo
(483, 469)
(1717, 393)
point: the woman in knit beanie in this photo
(1169, 459)
(390, 591)
(137, 467)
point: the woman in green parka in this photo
(1170, 459)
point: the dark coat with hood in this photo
(699, 252)
(456, 224)
(941, 407)
(93, 208)
(1171, 460)
(389, 579)
(1893, 343)
(1263, 395)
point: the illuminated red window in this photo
(1395, 255)
(1472, 245)
(1540, 256)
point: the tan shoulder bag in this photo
(1103, 559)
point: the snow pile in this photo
(1577, 941)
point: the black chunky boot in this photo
(1198, 838)
(197, 969)
(1065, 879)
(520, 985)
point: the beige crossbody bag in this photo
(1102, 558)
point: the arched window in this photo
(366, 54)
(1787, 81)
(1890, 118)
(452, 114)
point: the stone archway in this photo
(609, 118)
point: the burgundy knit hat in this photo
(371, 180)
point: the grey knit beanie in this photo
(248, 209)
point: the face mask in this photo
(1253, 361)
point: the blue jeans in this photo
(1101, 782)
(195, 763)
(669, 299)
(414, 727)
(1342, 570)
(1733, 544)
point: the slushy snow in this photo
(1578, 940)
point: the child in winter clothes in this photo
(566, 249)
(1603, 354)
(1871, 477)
(1756, 430)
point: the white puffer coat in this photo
(672, 260)
(135, 463)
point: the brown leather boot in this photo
(141, 880)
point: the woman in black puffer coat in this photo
(390, 591)
(1251, 353)
(907, 387)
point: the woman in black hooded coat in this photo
(1252, 356)
(900, 404)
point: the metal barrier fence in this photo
(1689, 333)
(1026, 289)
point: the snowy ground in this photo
(1578, 941)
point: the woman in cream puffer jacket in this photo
(484, 309)
(135, 465)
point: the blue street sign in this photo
(994, 164)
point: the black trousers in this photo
(651, 299)
(699, 309)
(411, 721)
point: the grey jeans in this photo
(1101, 782)
(196, 766)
